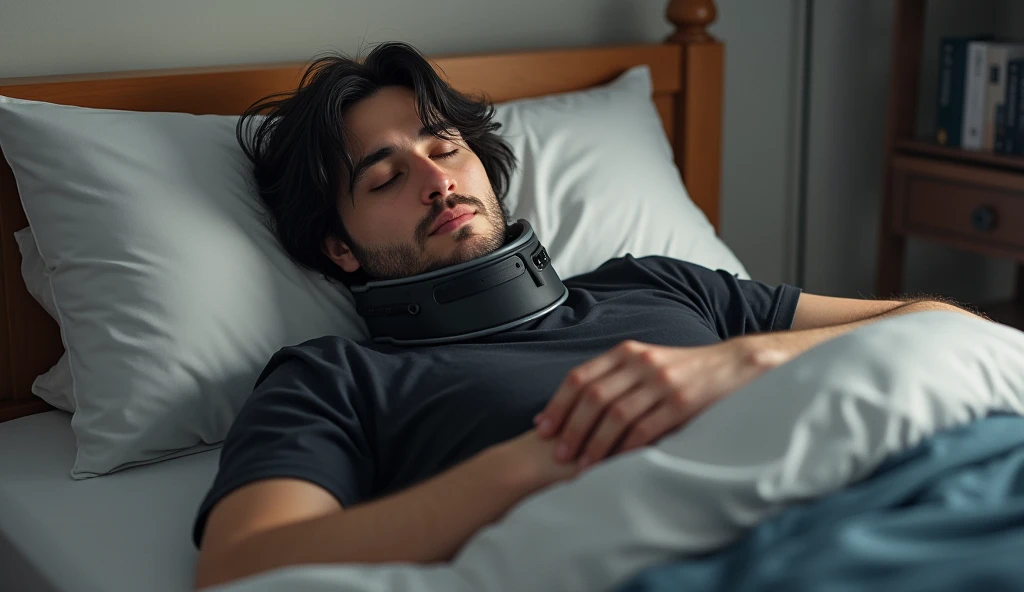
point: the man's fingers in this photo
(617, 420)
(662, 418)
(590, 405)
(550, 420)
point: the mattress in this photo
(126, 531)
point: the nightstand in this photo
(967, 199)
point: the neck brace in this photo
(501, 290)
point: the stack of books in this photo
(981, 95)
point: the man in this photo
(363, 452)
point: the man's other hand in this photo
(530, 461)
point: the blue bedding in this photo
(947, 515)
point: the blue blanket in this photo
(947, 515)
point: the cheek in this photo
(379, 221)
(476, 177)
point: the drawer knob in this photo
(984, 218)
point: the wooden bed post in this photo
(698, 120)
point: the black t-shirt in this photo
(365, 419)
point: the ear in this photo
(341, 254)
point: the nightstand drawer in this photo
(949, 203)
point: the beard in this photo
(388, 262)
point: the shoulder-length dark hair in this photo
(299, 154)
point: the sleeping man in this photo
(375, 452)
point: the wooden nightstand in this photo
(970, 200)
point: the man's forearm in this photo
(785, 345)
(426, 523)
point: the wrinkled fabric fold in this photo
(946, 516)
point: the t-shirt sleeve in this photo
(731, 305)
(297, 423)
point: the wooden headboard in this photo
(687, 72)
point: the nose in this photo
(438, 183)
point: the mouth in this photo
(452, 219)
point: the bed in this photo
(687, 72)
(890, 458)
(126, 531)
(129, 530)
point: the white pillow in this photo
(54, 385)
(171, 292)
(33, 271)
(569, 184)
(597, 179)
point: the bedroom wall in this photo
(1011, 18)
(70, 36)
(849, 84)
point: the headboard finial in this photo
(691, 18)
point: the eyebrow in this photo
(380, 154)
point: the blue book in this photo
(1010, 143)
(1017, 131)
(999, 146)
(949, 118)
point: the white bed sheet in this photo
(130, 530)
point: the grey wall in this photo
(849, 82)
(850, 43)
(63, 36)
(849, 70)
(759, 179)
(1011, 18)
(71, 36)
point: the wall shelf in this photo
(958, 155)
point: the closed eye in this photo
(447, 154)
(392, 180)
(386, 184)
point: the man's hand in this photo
(636, 393)
(276, 523)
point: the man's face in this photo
(419, 203)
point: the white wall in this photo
(71, 36)
(849, 82)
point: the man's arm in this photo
(819, 318)
(636, 393)
(280, 522)
(814, 312)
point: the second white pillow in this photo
(597, 179)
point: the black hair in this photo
(300, 157)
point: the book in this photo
(999, 143)
(1017, 131)
(975, 85)
(1006, 135)
(999, 54)
(949, 117)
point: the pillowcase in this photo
(170, 290)
(153, 211)
(54, 385)
(597, 179)
(33, 271)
